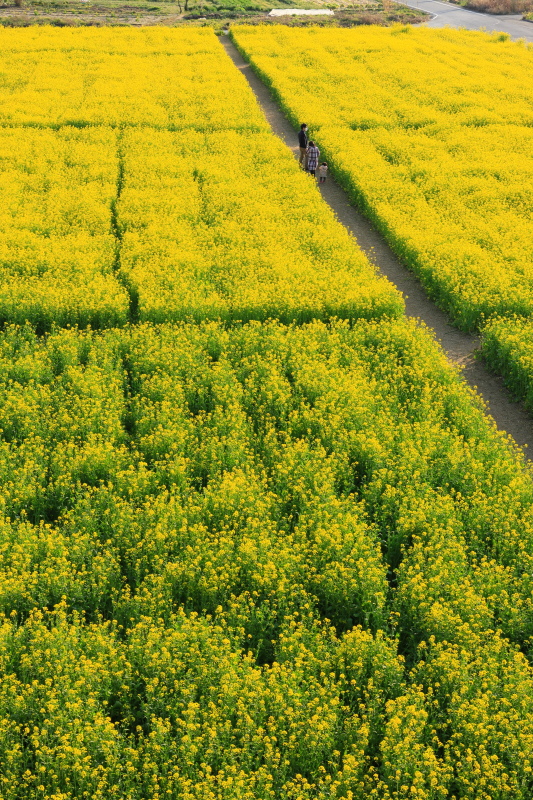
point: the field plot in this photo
(224, 225)
(191, 203)
(432, 133)
(199, 528)
(157, 77)
(57, 250)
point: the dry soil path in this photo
(459, 347)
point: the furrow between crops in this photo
(122, 278)
(460, 348)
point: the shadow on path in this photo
(459, 347)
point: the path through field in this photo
(446, 14)
(459, 347)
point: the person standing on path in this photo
(302, 141)
(313, 154)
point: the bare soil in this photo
(177, 13)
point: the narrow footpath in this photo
(459, 347)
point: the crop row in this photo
(266, 562)
(508, 346)
(195, 225)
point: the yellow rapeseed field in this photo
(225, 225)
(241, 558)
(198, 537)
(431, 131)
(154, 76)
(57, 249)
(139, 190)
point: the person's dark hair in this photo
(311, 144)
(303, 125)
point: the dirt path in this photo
(459, 347)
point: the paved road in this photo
(446, 14)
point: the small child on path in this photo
(322, 172)
(313, 154)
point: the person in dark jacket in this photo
(302, 141)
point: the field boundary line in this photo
(460, 348)
(116, 230)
